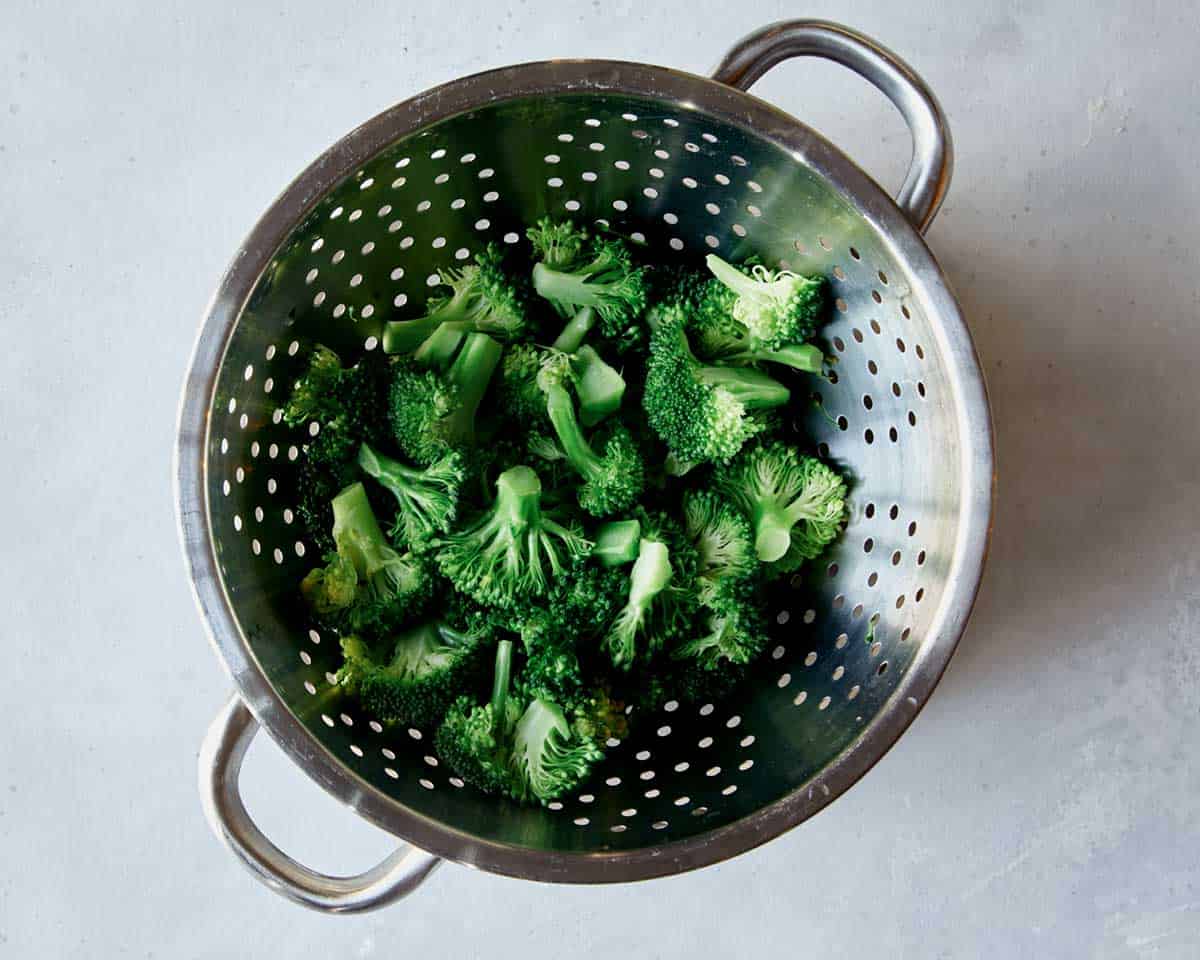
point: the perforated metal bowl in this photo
(684, 163)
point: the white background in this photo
(1045, 804)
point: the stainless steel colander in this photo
(682, 163)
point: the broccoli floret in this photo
(613, 479)
(795, 503)
(316, 395)
(552, 670)
(483, 298)
(549, 756)
(426, 499)
(577, 271)
(365, 585)
(519, 397)
(515, 549)
(415, 676)
(431, 413)
(636, 629)
(701, 412)
(327, 467)
(727, 637)
(474, 740)
(778, 308)
(725, 547)
(719, 338)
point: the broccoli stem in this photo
(567, 287)
(755, 389)
(601, 389)
(617, 542)
(579, 452)
(356, 531)
(803, 357)
(471, 372)
(650, 574)
(733, 278)
(405, 336)
(391, 473)
(438, 349)
(577, 328)
(518, 499)
(504, 656)
(772, 531)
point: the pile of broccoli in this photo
(553, 502)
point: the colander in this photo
(681, 163)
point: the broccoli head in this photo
(549, 756)
(724, 544)
(778, 308)
(727, 637)
(426, 499)
(795, 503)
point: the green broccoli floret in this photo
(552, 670)
(599, 386)
(426, 499)
(701, 412)
(795, 503)
(515, 549)
(432, 413)
(317, 394)
(483, 298)
(475, 741)
(577, 271)
(519, 397)
(365, 585)
(778, 308)
(549, 756)
(727, 637)
(327, 467)
(414, 676)
(725, 545)
(719, 338)
(636, 629)
(613, 479)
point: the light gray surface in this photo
(1045, 802)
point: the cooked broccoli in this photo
(475, 740)
(576, 330)
(636, 629)
(519, 397)
(426, 499)
(617, 542)
(778, 308)
(726, 636)
(483, 298)
(725, 546)
(515, 549)
(431, 413)
(549, 756)
(414, 676)
(720, 338)
(317, 395)
(613, 479)
(365, 585)
(600, 387)
(577, 271)
(795, 502)
(701, 412)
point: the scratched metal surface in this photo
(1043, 803)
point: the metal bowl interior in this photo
(686, 166)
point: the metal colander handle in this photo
(221, 757)
(928, 176)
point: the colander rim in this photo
(727, 105)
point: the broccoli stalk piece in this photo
(475, 740)
(649, 577)
(428, 666)
(795, 503)
(366, 585)
(576, 330)
(701, 412)
(433, 413)
(426, 500)
(483, 298)
(617, 542)
(612, 480)
(601, 389)
(513, 551)
(549, 757)
(778, 308)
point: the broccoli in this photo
(648, 579)
(427, 500)
(725, 545)
(701, 412)
(734, 637)
(575, 332)
(617, 542)
(433, 413)
(514, 549)
(483, 298)
(518, 395)
(613, 479)
(600, 387)
(365, 585)
(778, 308)
(317, 395)
(549, 756)
(577, 271)
(795, 502)
(721, 339)
(422, 670)
(475, 740)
